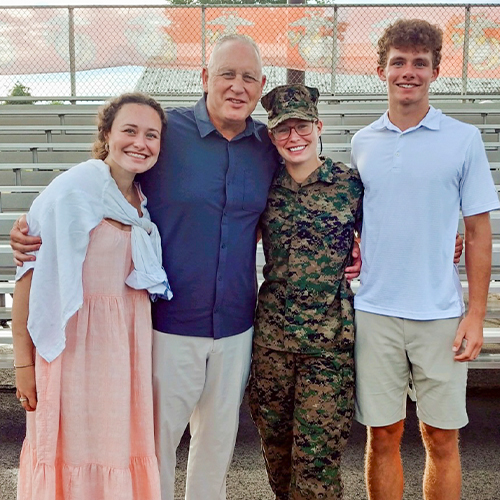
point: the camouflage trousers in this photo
(303, 408)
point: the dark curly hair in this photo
(407, 33)
(107, 115)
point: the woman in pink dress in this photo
(81, 321)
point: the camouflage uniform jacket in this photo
(305, 303)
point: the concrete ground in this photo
(480, 445)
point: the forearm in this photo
(478, 265)
(23, 345)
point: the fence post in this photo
(295, 75)
(72, 58)
(333, 83)
(465, 58)
(203, 37)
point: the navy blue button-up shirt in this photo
(206, 195)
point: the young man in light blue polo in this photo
(419, 168)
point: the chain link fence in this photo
(99, 51)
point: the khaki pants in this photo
(201, 381)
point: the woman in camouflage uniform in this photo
(302, 379)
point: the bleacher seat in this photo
(38, 142)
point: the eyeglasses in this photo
(282, 132)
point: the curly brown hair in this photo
(406, 33)
(107, 114)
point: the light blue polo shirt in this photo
(415, 184)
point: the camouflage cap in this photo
(290, 101)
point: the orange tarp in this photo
(37, 40)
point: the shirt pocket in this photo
(325, 226)
(334, 234)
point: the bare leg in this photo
(443, 474)
(383, 466)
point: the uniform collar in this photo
(324, 173)
(206, 127)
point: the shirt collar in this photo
(431, 121)
(206, 127)
(324, 173)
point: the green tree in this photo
(19, 90)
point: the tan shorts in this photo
(388, 350)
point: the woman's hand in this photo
(26, 387)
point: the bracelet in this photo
(23, 366)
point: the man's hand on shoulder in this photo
(22, 243)
(459, 248)
(354, 269)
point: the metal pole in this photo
(333, 83)
(465, 63)
(72, 58)
(203, 37)
(295, 75)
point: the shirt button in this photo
(216, 311)
(223, 246)
(220, 278)
(397, 153)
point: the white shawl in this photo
(64, 215)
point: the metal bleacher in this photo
(38, 142)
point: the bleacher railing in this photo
(88, 50)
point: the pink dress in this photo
(91, 436)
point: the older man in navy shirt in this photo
(206, 195)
